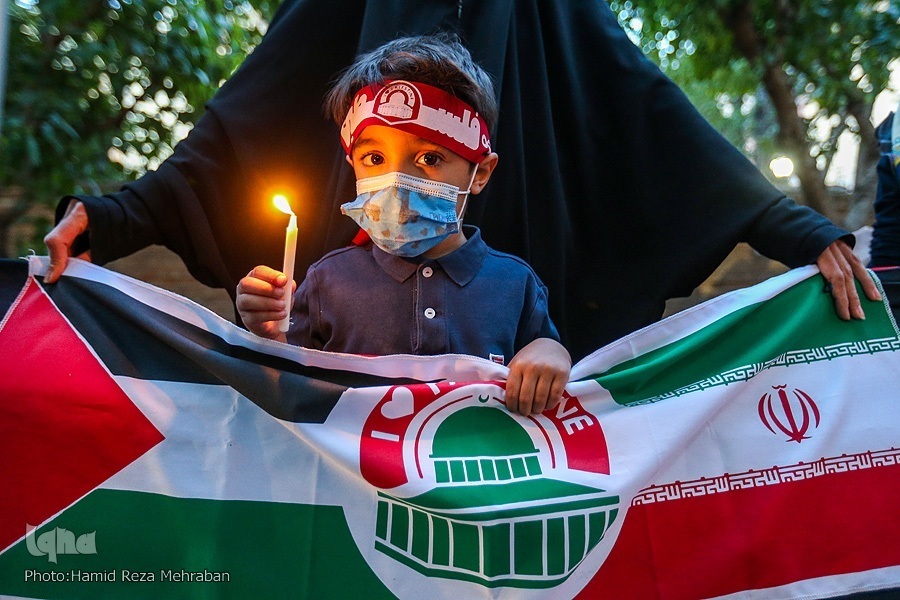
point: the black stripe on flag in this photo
(137, 340)
(13, 275)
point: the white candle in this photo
(290, 251)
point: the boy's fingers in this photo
(255, 287)
(269, 275)
(513, 383)
(261, 324)
(259, 310)
(556, 392)
(256, 304)
(261, 300)
(251, 284)
(258, 318)
(549, 392)
(526, 395)
(541, 394)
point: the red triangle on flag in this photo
(65, 425)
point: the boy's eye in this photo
(371, 160)
(430, 159)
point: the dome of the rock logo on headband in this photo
(422, 110)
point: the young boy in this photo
(415, 117)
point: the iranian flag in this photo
(744, 448)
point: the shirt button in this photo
(429, 313)
(427, 271)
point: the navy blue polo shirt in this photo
(475, 301)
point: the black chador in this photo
(610, 184)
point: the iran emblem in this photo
(792, 414)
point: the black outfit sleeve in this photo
(166, 207)
(610, 184)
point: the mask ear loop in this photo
(465, 195)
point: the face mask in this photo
(405, 215)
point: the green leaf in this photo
(60, 133)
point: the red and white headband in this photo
(422, 110)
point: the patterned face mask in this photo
(405, 215)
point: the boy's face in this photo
(381, 149)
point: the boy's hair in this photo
(439, 60)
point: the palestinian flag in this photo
(747, 447)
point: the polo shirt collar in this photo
(461, 265)
(397, 267)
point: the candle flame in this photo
(281, 203)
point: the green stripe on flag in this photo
(798, 325)
(267, 550)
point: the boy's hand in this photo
(261, 302)
(538, 374)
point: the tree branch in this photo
(833, 137)
(791, 128)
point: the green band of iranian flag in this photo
(150, 449)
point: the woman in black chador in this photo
(613, 187)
